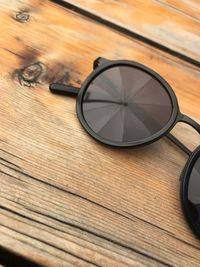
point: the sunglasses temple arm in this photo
(62, 89)
(179, 144)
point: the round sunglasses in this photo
(125, 104)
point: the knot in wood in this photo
(22, 16)
(31, 74)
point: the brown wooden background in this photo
(66, 200)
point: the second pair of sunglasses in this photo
(125, 104)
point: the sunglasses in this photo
(125, 104)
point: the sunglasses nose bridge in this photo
(186, 119)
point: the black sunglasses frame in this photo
(102, 64)
(185, 178)
(175, 116)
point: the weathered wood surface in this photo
(66, 200)
(172, 24)
(189, 7)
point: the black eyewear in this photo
(125, 104)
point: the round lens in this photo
(126, 104)
(194, 193)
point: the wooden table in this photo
(66, 200)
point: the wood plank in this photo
(66, 200)
(166, 23)
(189, 7)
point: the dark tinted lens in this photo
(194, 193)
(126, 104)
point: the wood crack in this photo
(49, 226)
(110, 240)
(12, 176)
(52, 245)
(164, 230)
(11, 154)
(9, 162)
(71, 193)
(95, 203)
(13, 53)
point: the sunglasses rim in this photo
(169, 125)
(185, 178)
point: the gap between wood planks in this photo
(126, 31)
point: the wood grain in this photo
(165, 22)
(66, 200)
(188, 7)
